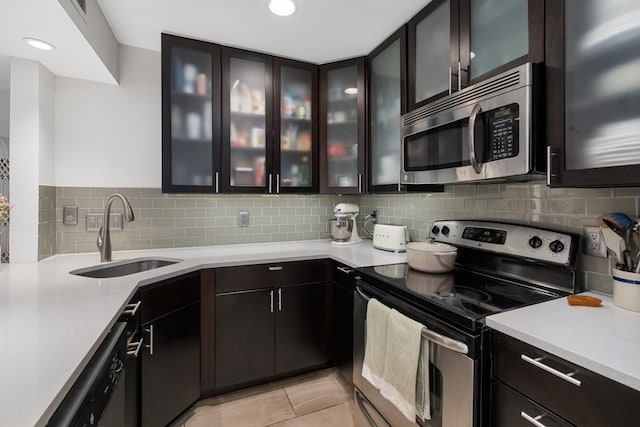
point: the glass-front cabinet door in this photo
(295, 127)
(592, 107)
(386, 105)
(433, 52)
(343, 126)
(246, 122)
(499, 35)
(191, 118)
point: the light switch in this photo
(243, 219)
(70, 215)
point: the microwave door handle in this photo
(477, 109)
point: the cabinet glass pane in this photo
(602, 117)
(191, 118)
(433, 39)
(295, 127)
(342, 127)
(247, 122)
(385, 116)
(499, 33)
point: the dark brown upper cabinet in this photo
(387, 102)
(190, 115)
(455, 43)
(295, 126)
(592, 94)
(247, 122)
(342, 127)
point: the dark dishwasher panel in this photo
(97, 397)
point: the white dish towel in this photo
(399, 380)
(376, 342)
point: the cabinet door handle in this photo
(450, 82)
(277, 183)
(275, 268)
(133, 349)
(345, 270)
(270, 183)
(279, 299)
(459, 77)
(217, 182)
(359, 183)
(150, 345)
(271, 296)
(533, 420)
(550, 156)
(131, 309)
(567, 377)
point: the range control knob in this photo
(435, 229)
(535, 242)
(445, 230)
(556, 246)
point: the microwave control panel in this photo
(503, 125)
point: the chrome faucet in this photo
(104, 235)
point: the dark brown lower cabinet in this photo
(244, 336)
(301, 338)
(270, 320)
(170, 365)
(561, 392)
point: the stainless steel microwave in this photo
(493, 130)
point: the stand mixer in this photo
(344, 230)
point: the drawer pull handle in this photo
(345, 270)
(533, 420)
(567, 377)
(134, 348)
(276, 268)
(131, 309)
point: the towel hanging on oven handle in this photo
(432, 336)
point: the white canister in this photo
(194, 126)
(626, 290)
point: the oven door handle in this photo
(434, 337)
(477, 109)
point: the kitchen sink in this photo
(123, 268)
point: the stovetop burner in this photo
(462, 296)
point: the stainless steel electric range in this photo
(499, 267)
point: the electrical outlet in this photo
(243, 219)
(594, 242)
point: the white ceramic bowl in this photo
(431, 257)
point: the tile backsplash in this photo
(165, 221)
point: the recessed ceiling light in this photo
(39, 44)
(282, 7)
(351, 91)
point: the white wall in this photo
(31, 122)
(4, 112)
(110, 136)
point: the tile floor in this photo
(322, 398)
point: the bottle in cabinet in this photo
(343, 124)
(190, 124)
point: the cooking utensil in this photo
(431, 257)
(614, 243)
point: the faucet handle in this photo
(99, 240)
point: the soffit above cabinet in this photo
(319, 32)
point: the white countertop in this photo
(605, 339)
(51, 322)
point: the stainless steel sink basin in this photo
(123, 268)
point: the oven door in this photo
(453, 374)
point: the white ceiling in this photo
(47, 20)
(321, 31)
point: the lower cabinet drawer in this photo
(273, 275)
(511, 409)
(576, 394)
